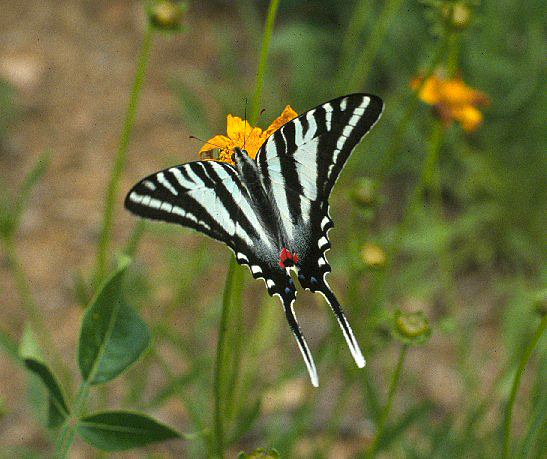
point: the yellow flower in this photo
(373, 256)
(452, 100)
(242, 135)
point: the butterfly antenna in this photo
(245, 124)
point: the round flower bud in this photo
(457, 15)
(363, 193)
(411, 327)
(166, 14)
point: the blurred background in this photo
(476, 269)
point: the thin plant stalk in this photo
(356, 24)
(387, 408)
(66, 436)
(268, 30)
(428, 169)
(119, 161)
(220, 359)
(134, 238)
(365, 60)
(234, 279)
(516, 383)
(409, 111)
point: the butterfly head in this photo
(287, 259)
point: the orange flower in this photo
(452, 100)
(242, 135)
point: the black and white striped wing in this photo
(204, 195)
(208, 196)
(307, 154)
(300, 164)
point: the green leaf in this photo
(113, 336)
(32, 357)
(121, 430)
(408, 420)
(57, 408)
(9, 347)
(11, 214)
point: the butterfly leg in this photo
(321, 286)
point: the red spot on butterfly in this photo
(287, 259)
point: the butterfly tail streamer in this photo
(302, 344)
(344, 325)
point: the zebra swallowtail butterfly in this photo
(273, 212)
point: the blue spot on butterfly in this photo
(313, 280)
(287, 290)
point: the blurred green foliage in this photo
(7, 109)
(493, 193)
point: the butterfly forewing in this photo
(209, 196)
(300, 163)
(307, 154)
(205, 196)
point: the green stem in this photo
(426, 175)
(364, 61)
(356, 24)
(219, 427)
(516, 382)
(443, 257)
(135, 238)
(391, 395)
(231, 304)
(65, 438)
(268, 29)
(119, 161)
(411, 107)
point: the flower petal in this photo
(236, 128)
(469, 117)
(430, 92)
(242, 135)
(218, 141)
(286, 115)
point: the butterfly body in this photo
(272, 211)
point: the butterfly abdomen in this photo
(262, 203)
